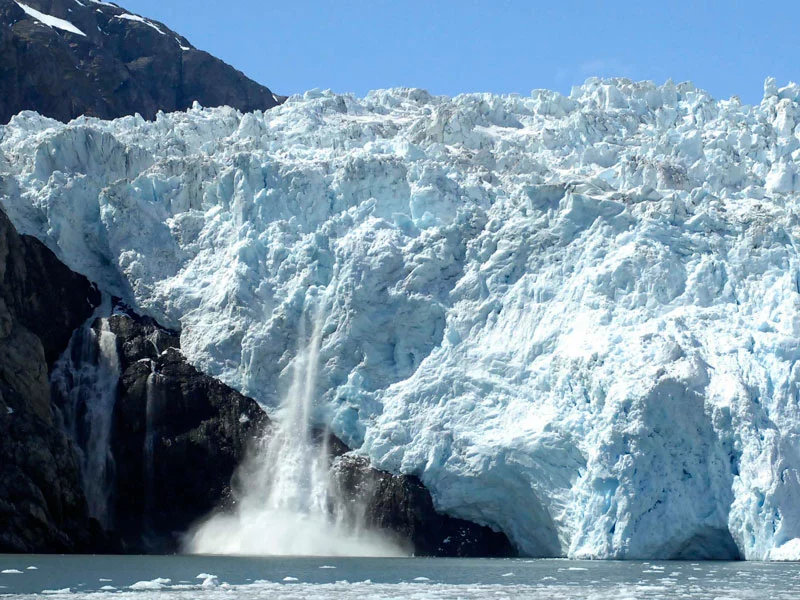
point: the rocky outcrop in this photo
(402, 505)
(105, 62)
(42, 506)
(176, 439)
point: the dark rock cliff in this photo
(121, 64)
(400, 504)
(178, 437)
(42, 506)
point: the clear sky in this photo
(453, 46)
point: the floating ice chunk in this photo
(290, 579)
(11, 572)
(154, 584)
(208, 580)
(32, 568)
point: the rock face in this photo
(42, 506)
(175, 437)
(401, 504)
(64, 59)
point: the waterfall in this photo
(148, 454)
(288, 505)
(84, 383)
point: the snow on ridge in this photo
(574, 317)
(138, 19)
(50, 21)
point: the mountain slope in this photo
(66, 58)
(575, 319)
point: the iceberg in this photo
(575, 318)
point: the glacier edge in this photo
(577, 319)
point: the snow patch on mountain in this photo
(138, 19)
(576, 318)
(50, 21)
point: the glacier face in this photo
(577, 319)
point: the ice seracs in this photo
(576, 318)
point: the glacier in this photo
(575, 318)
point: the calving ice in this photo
(289, 504)
(574, 318)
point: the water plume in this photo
(288, 505)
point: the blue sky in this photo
(449, 46)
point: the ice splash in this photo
(84, 383)
(288, 505)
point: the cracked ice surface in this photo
(575, 318)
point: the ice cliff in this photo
(576, 319)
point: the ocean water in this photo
(206, 577)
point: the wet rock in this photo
(178, 437)
(42, 507)
(402, 505)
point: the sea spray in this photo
(288, 504)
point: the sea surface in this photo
(185, 577)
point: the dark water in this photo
(144, 577)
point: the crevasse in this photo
(577, 319)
